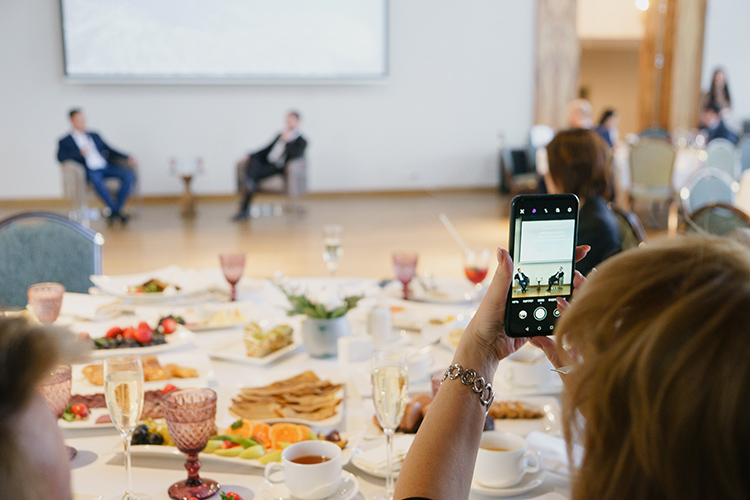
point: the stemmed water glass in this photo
(190, 415)
(332, 250)
(405, 266)
(476, 263)
(123, 392)
(233, 265)
(56, 392)
(45, 301)
(390, 391)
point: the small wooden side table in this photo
(187, 204)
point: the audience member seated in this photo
(34, 463)
(523, 280)
(579, 114)
(718, 95)
(713, 125)
(100, 161)
(658, 395)
(579, 164)
(271, 160)
(607, 128)
(555, 279)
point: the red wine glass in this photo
(405, 267)
(233, 265)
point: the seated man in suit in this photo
(714, 126)
(523, 280)
(88, 149)
(555, 279)
(269, 161)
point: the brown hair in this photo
(664, 381)
(27, 353)
(579, 163)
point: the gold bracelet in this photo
(469, 378)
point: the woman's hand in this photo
(487, 328)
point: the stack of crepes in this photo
(304, 397)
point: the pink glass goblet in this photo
(190, 415)
(233, 265)
(405, 266)
(45, 300)
(56, 392)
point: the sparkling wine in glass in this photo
(233, 265)
(390, 392)
(45, 301)
(332, 250)
(405, 266)
(123, 392)
(476, 263)
(56, 392)
(190, 415)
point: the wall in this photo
(461, 73)
(726, 44)
(609, 20)
(611, 76)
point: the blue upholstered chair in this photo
(39, 247)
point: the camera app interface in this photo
(544, 247)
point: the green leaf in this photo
(236, 425)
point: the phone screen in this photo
(543, 236)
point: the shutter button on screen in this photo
(540, 313)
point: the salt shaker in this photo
(380, 324)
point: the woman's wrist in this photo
(478, 356)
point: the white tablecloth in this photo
(98, 468)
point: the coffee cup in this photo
(504, 459)
(527, 368)
(312, 469)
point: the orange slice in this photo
(306, 432)
(285, 433)
(245, 431)
(261, 433)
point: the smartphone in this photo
(543, 235)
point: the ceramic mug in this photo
(308, 481)
(524, 369)
(504, 459)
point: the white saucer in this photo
(348, 488)
(528, 483)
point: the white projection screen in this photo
(225, 39)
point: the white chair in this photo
(722, 155)
(743, 146)
(708, 186)
(651, 170)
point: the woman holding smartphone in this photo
(662, 380)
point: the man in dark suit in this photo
(88, 149)
(714, 126)
(555, 279)
(523, 280)
(271, 160)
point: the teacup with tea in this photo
(312, 469)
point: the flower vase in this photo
(321, 336)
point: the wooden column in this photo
(670, 64)
(558, 54)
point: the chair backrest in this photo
(631, 230)
(718, 219)
(743, 146)
(651, 162)
(721, 154)
(707, 186)
(39, 247)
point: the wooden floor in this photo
(374, 226)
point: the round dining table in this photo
(419, 326)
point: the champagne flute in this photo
(123, 392)
(332, 250)
(405, 266)
(390, 392)
(45, 301)
(56, 392)
(476, 263)
(190, 415)
(233, 265)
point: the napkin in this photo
(554, 451)
(90, 307)
(375, 458)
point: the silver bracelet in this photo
(469, 378)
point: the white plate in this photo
(554, 386)
(447, 291)
(347, 489)
(180, 337)
(234, 351)
(528, 483)
(171, 451)
(89, 423)
(199, 361)
(197, 318)
(550, 423)
(401, 445)
(191, 282)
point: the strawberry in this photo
(169, 325)
(128, 333)
(113, 332)
(80, 409)
(168, 388)
(144, 333)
